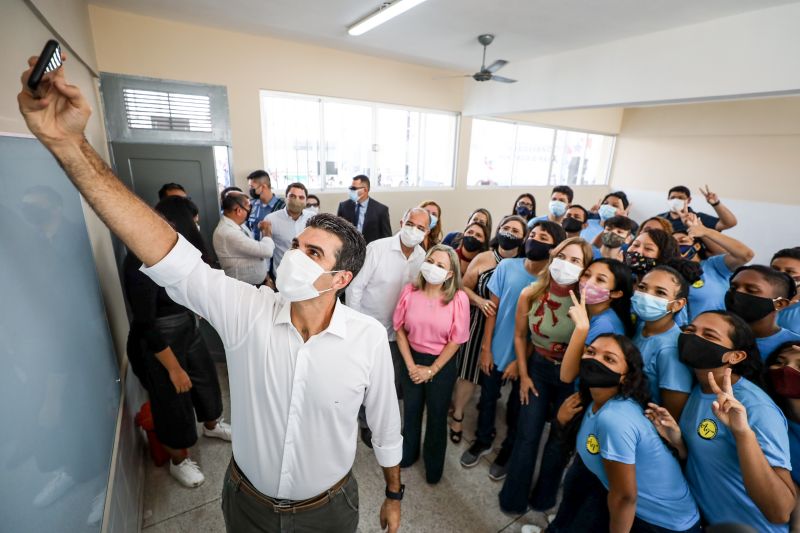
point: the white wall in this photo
(748, 54)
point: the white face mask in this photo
(296, 276)
(565, 273)
(411, 236)
(314, 209)
(676, 204)
(433, 274)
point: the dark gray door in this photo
(144, 168)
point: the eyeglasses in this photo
(356, 188)
(312, 205)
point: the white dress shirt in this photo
(294, 405)
(241, 256)
(284, 229)
(386, 271)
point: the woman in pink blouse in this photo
(431, 320)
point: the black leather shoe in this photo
(366, 437)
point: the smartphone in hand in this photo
(49, 61)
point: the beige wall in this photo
(748, 149)
(597, 120)
(22, 36)
(244, 63)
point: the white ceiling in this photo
(443, 33)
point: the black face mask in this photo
(536, 251)
(640, 265)
(253, 194)
(507, 241)
(595, 374)
(523, 211)
(471, 244)
(571, 225)
(750, 308)
(696, 352)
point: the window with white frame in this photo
(324, 142)
(505, 154)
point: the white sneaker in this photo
(220, 431)
(550, 518)
(96, 513)
(187, 473)
(55, 489)
(530, 528)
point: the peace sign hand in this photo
(711, 197)
(578, 312)
(726, 407)
(695, 228)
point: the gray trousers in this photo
(244, 513)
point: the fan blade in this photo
(451, 77)
(501, 79)
(497, 65)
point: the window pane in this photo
(394, 131)
(581, 158)
(291, 140)
(348, 142)
(437, 149)
(534, 148)
(491, 153)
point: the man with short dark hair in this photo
(788, 262)
(171, 189)
(560, 197)
(678, 200)
(241, 256)
(295, 420)
(287, 223)
(264, 201)
(575, 220)
(617, 232)
(368, 215)
(613, 204)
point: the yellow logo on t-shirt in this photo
(707, 429)
(592, 445)
(697, 284)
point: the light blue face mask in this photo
(557, 208)
(434, 221)
(353, 195)
(648, 307)
(607, 211)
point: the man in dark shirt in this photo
(368, 215)
(679, 198)
(264, 201)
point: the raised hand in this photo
(266, 228)
(711, 197)
(596, 207)
(571, 407)
(60, 115)
(664, 423)
(726, 407)
(578, 312)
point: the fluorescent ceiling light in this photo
(387, 11)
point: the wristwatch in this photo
(395, 495)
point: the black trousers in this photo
(435, 397)
(174, 414)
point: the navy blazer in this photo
(376, 220)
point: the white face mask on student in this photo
(565, 273)
(296, 276)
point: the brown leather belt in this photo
(285, 506)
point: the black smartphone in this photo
(49, 60)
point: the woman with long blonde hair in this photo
(431, 320)
(542, 333)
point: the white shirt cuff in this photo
(389, 456)
(176, 265)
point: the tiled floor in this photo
(465, 500)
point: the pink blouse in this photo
(430, 324)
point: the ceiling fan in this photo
(488, 73)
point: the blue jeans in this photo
(532, 417)
(487, 405)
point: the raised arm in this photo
(571, 362)
(736, 252)
(59, 120)
(726, 217)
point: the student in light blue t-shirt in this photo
(718, 255)
(646, 490)
(659, 296)
(788, 262)
(497, 349)
(757, 293)
(731, 434)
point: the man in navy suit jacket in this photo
(368, 215)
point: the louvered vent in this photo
(157, 110)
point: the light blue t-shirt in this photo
(507, 282)
(767, 345)
(708, 294)
(713, 467)
(789, 318)
(605, 322)
(661, 364)
(619, 432)
(534, 220)
(592, 230)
